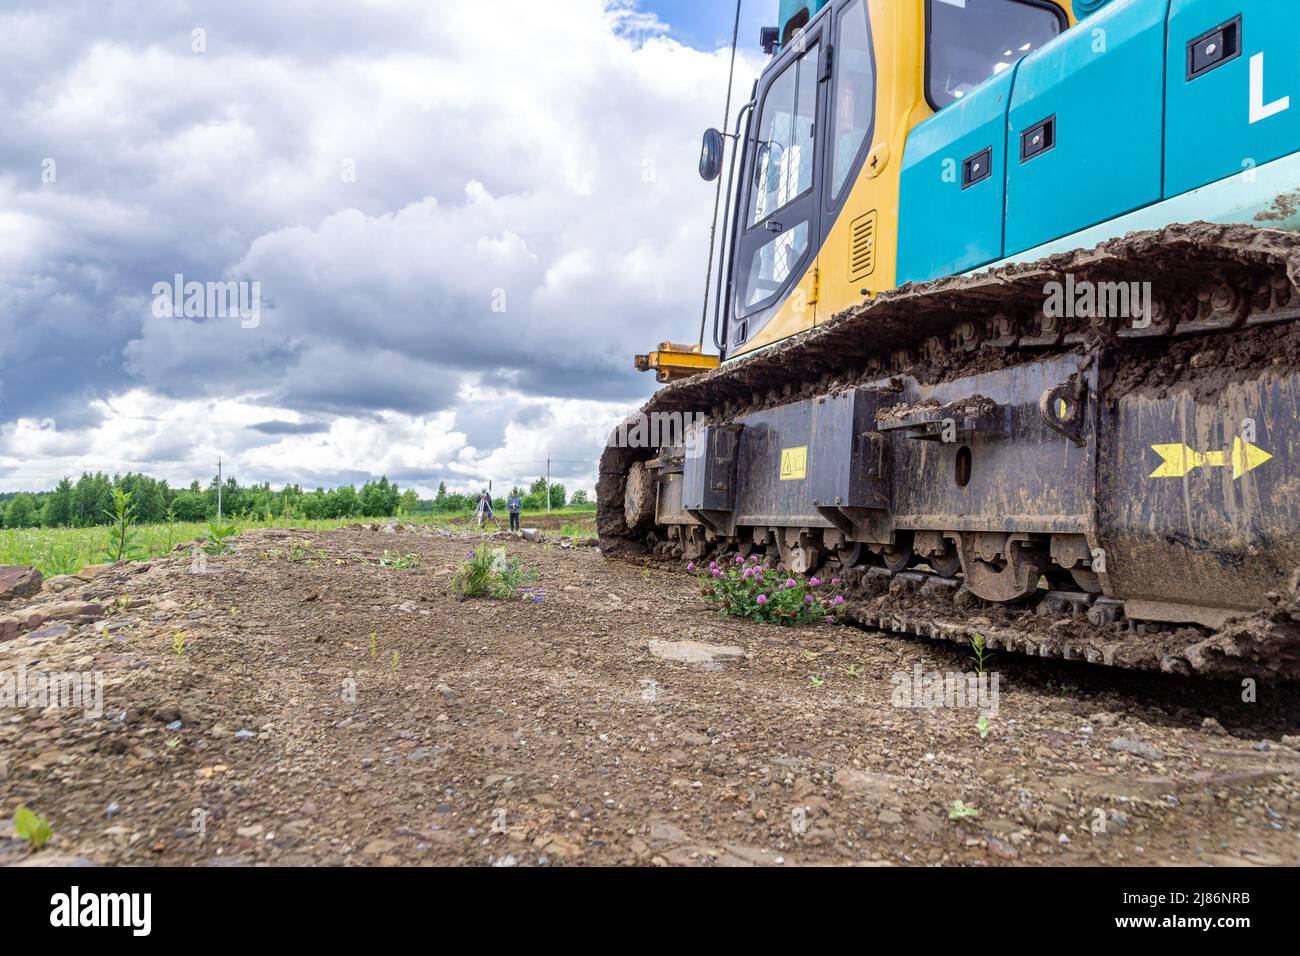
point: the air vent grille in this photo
(862, 247)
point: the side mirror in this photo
(711, 156)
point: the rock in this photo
(532, 534)
(379, 848)
(62, 582)
(695, 652)
(245, 734)
(890, 818)
(1210, 725)
(1002, 849)
(556, 844)
(1136, 747)
(32, 617)
(664, 832)
(18, 581)
(51, 632)
(251, 831)
(862, 781)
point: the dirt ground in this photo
(576, 731)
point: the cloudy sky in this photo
(462, 218)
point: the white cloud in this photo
(545, 162)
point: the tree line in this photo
(87, 502)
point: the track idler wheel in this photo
(900, 555)
(850, 555)
(1002, 567)
(939, 552)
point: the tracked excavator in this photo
(1006, 331)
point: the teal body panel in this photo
(792, 8)
(1228, 120)
(1137, 144)
(1265, 196)
(938, 167)
(1102, 83)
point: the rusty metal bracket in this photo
(973, 416)
(1063, 407)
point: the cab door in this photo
(773, 274)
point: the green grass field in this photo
(68, 550)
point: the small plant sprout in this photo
(855, 671)
(980, 654)
(219, 536)
(178, 642)
(960, 811)
(374, 645)
(123, 602)
(397, 661)
(121, 530)
(32, 827)
(816, 681)
(982, 725)
(234, 611)
(395, 559)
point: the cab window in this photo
(783, 161)
(971, 40)
(854, 103)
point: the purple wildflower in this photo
(814, 582)
(789, 582)
(762, 599)
(691, 566)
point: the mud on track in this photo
(555, 733)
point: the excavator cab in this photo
(810, 224)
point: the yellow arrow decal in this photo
(1179, 460)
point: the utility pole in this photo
(218, 491)
(548, 484)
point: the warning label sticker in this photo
(794, 464)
